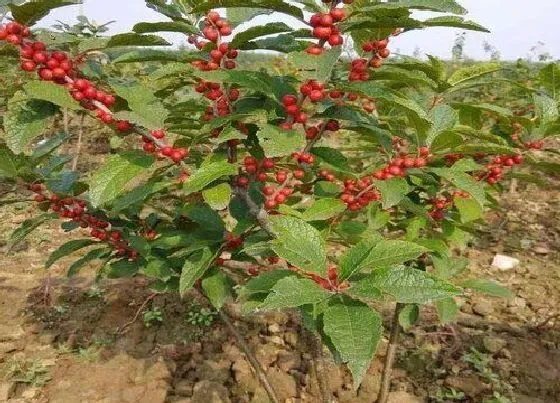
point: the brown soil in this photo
(62, 334)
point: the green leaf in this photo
(469, 209)
(325, 189)
(291, 292)
(285, 43)
(463, 181)
(169, 10)
(111, 179)
(218, 197)
(239, 15)
(549, 78)
(136, 195)
(134, 39)
(207, 174)
(363, 286)
(546, 109)
(257, 31)
(355, 330)
(274, 5)
(24, 120)
(159, 269)
(62, 182)
(51, 92)
(148, 110)
(93, 254)
(392, 191)
(123, 268)
(257, 81)
(31, 12)
(217, 288)
(194, 268)
(151, 55)
(264, 282)
(323, 209)
(8, 163)
(29, 226)
(487, 287)
(455, 22)
(442, 6)
(409, 316)
(374, 253)
(167, 26)
(48, 146)
(317, 67)
(444, 118)
(446, 267)
(332, 157)
(412, 286)
(447, 309)
(469, 73)
(299, 243)
(277, 142)
(208, 219)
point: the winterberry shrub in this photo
(319, 182)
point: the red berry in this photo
(338, 14)
(299, 173)
(40, 57)
(242, 181)
(322, 32)
(58, 73)
(288, 100)
(326, 20)
(316, 95)
(270, 204)
(28, 65)
(46, 74)
(281, 176)
(336, 40)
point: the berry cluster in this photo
(151, 146)
(534, 145)
(331, 282)
(254, 167)
(215, 27)
(325, 30)
(222, 56)
(358, 194)
(359, 67)
(495, 169)
(76, 210)
(279, 195)
(232, 241)
(440, 204)
(14, 33)
(398, 167)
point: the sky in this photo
(516, 26)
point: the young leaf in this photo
(469, 209)
(487, 287)
(299, 243)
(29, 226)
(194, 268)
(355, 330)
(444, 118)
(68, 248)
(207, 174)
(111, 179)
(409, 316)
(392, 191)
(469, 73)
(291, 292)
(263, 283)
(412, 286)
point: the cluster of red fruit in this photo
(534, 145)
(359, 67)
(223, 56)
(76, 210)
(358, 194)
(331, 282)
(399, 166)
(441, 203)
(252, 166)
(325, 30)
(495, 169)
(367, 103)
(14, 33)
(279, 195)
(162, 150)
(312, 132)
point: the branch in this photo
(390, 357)
(258, 212)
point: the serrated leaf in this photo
(123, 268)
(275, 5)
(299, 243)
(111, 179)
(208, 219)
(258, 31)
(165, 26)
(92, 255)
(363, 286)
(355, 330)
(134, 39)
(549, 77)
(264, 282)
(317, 67)
(251, 80)
(66, 249)
(444, 118)
(374, 253)
(207, 174)
(463, 181)
(332, 157)
(469, 209)
(409, 316)
(51, 92)
(218, 197)
(285, 43)
(217, 288)
(442, 6)
(487, 287)
(25, 120)
(136, 195)
(194, 268)
(239, 15)
(546, 109)
(455, 22)
(325, 189)
(8, 163)
(148, 109)
(392, 191)
(31, 12)
(291, 292)
(151, 55)
(49, 145)
(159, 269)
(277, 142)
(412, 286)
(469, 73)
(62, 182)
(323, 209)
(447, 309)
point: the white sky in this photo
(516, 25)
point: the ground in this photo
(67, 340)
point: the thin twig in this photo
(390, 356)
(79, 143)
(259, 213)
(121, 330)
